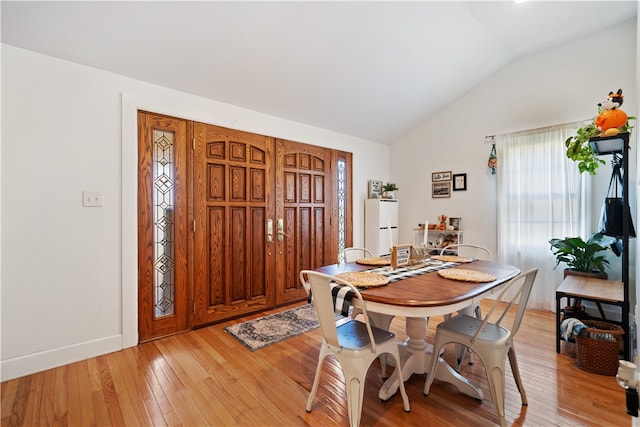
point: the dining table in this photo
(417, 295)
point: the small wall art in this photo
(441, 176)
(441, 189)
(460, 182)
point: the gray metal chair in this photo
(352, 254)
(489, 339)
(470, 251)
(355, 344)
(382, 321)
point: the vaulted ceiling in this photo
(368, 69)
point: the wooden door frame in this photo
(190, 244)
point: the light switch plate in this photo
(92, 199)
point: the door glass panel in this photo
(342, 204)
(163, 220)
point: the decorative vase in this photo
(388, 195)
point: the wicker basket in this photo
(597, 347)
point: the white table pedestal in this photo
(415, 358)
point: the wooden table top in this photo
(430, 290)
(590, 287)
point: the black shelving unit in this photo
(619, 144)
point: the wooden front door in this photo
(233, 201)
(304, 208)
(262, 211)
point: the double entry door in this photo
(227, 219)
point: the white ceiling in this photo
(368, 69)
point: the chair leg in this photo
(495, 377)
(355, 396)
(513, 361)
(316, 378)
(403, 392)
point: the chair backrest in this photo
(469, 250)
(320, 286)
(516, 291)
(352, 254)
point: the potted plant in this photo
(580, 257)
(579, 149)
(388, 189)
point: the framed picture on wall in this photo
(460, 182)
(441, 189)
(441, 176)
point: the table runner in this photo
(405, 272)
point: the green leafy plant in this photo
(579, 149)
(580, 255)
(389, 186)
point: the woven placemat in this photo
(363, 279)
(451, 258)
(378, 261)
(466, 275)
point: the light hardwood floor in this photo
(207, 378)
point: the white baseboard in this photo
(24, 365)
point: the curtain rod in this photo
(492, 138)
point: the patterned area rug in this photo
(259, 333)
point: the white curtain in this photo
(541, 195)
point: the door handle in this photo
(281, 232)
(269, 230)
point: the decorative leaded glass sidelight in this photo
(342, 205)
(163, 222)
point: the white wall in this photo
(69, 273)
(557, 85)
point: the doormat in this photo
(264, 331)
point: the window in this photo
(540, 195)
(342, 204)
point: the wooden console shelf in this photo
(590, 289)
